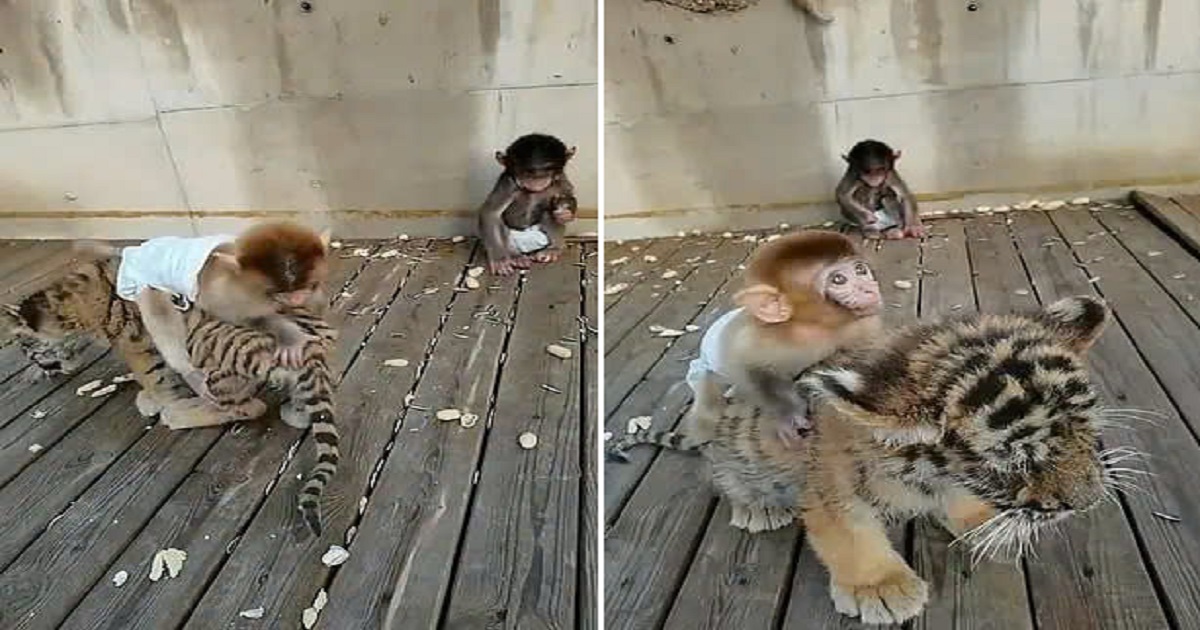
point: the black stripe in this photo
(1012, 410)
(328, 458)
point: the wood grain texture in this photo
(518, 564)
(588, 609)
(650, 288)
(636, 270)
(400, 566)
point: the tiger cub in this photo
(986, 422)
(54, 324)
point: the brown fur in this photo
(283, 256)
(969, 419)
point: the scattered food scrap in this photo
(87, 387)
(468, 420)
(124, 378)
(650, 258)
(170, 559)
(616, 288)
(446, 415)
(607, 435)
(119, 578)
(638, 423)
(1021, 292)
(38, 414)
(1053, 205)
(474, 272)
(458, 239)
(396, 363)
(670, 332)
(472, 283)
(391, 253)
(1167, 517)
(619, 261)
(335, 555)
(902, 284)
(691, 328)
(253, 613)
(559, 351)
(34, 448)
(104, 391)
(1081, 201)
(1153, 253)
(362, 252)
(527, 440)
(670, 273)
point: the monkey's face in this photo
(874, 175)
(538, 178)
(851, 285)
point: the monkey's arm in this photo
(847, 198)
(231, 301)
(492, 230)
(908, 202)
(169, 332)
(781, 400)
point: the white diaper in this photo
(528, 240)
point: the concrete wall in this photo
(139, 117)
(737, 120)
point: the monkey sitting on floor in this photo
(807, 295)
(244, 280)
(530, 205)
(872, 195)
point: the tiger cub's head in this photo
(42, 339)
(1003, 403)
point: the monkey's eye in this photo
(838, 278)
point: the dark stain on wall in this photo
(161, 23)
(1150, 28)
(489, 25)
(1087, 28)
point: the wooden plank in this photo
(56, 478)
(643, 297)
(275, 544)
(961, 596)
(15, 261)
(811, 608)
(1173, 215)
(738, 580)
(211, 507)
(588, 609)
(1090, 577)
(63, 410)
(518, 561)
(1175, 269)
(42, 586)
(37, 274)
(636, 269)
(400, 562)
(639, 352)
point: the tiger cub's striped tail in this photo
(615, 449)
(311, 401)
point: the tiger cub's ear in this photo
(1078, 321)
(842, 391)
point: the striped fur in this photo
(673, 440)
(987, 423)
(240, 362)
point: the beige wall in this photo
(729, 121)
(140, 117)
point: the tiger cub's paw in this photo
(758, 518)
(898, 597)
(148, 404)
(295, 415)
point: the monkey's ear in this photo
(896, 155)
(326, 238)
(500, 159)
(570, 154)
(765, 303)
(846, 158)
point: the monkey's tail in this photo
(673, 440)
(809, 7)
(325, 437)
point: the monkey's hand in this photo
(793, 429)
(506, 266)
(548, 255)
(916, 230)
(563, 215)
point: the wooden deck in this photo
(447, 527)
(672, 560)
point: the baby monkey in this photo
(530, 205)
(245, 280)
(806, 296)
(874, 197)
